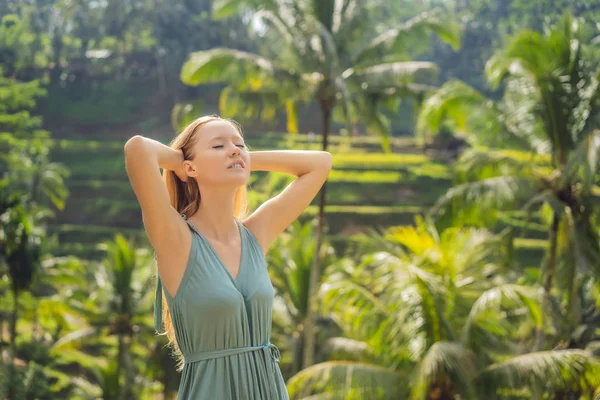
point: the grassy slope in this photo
(366, 188)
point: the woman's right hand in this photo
(180, 172)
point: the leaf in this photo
(393, 74)
(391, 41)
(446, 359)
(450, 101)
(337, 377)
(479, 202)
(222, 9)
(548, 372)
(222, 65)
(489, 316)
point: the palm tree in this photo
(23, 257)
(550, 107)
(31, 186)
(331, 52)
(290, 262)
(118, 308)
(432, 317)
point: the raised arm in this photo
(143, 159)
(311, 169)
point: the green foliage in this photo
(30, 382)
(98, 103)
(17, 44)
(312, 56)
(428, 313)
(440, 315)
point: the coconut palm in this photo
(330, 52)
(117, 307)
(434, 317)
(23, 257)
(551, 108)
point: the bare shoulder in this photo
(172, 253)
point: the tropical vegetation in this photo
(453, 255)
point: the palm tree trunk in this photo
(13, 324)
(297, 350)
(125, 361)
(548, 278)
(315, 272)
(10, 378)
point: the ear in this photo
(189, 168)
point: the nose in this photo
(235, 151)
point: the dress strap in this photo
(192, 227)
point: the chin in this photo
(238, 181)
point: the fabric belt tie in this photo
(270, 352)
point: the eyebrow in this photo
(224, 137)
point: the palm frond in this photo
(583, 162)
(344, 14)
(343, 348)
(559, 80)
(330, 62)
(373, 241)
(415, 240)
(294, 50)
(528, 54)
(341, 377)
(547, 372)
(226, 8)
(586, 114)
(494, 314)
(393, 74)
(221, 65)
(445, 360)
(521, 118)
(478, 203)
(477, 165)
(245, 105)
(76, 336)
(584, 244)
(391, 41)
(451, 101)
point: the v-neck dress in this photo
(223, 325)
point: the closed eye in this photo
(241, 146)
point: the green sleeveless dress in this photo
(223, 325)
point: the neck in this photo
(214, 217)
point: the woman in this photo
(212, 279)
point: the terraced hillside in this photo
(366, 189)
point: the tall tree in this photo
(31, 187)
(330, 52)
(551, 107)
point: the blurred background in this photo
(453, 254)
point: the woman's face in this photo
(219, 146)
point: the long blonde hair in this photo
(185, 197)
